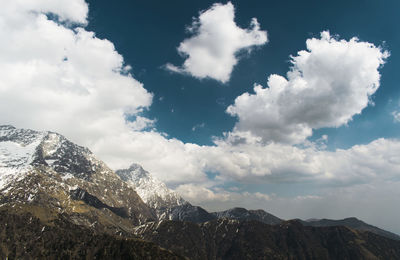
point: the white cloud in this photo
(211, 51)
(396, 116)
(203, 195)
(281, 163)
(74, 11)
(196, 127)
(170, 160)
(54, 77)
(327, 85)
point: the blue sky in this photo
(260, 104)
(148, 33)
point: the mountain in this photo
(45, 174)
(235, 239)
(57, 200)
(152, 191)
(244, 214)
(190, 213)
(353, 223)
(167, 204)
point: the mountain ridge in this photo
(351, 222)
(58, 184)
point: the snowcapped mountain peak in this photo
(135, 173)
(46, 168)
(22, 149)
(152, 191)
(17, 152)
(22, 137)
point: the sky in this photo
(288, 106)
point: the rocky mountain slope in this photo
(167, 204)
(234, 239)
(152, 191)
(44, 172)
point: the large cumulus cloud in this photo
(327, 85)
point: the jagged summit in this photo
(135, 172)
(152, 191)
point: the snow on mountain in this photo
(152, 191)
(17, 152)
(21, 149)
(45, 168)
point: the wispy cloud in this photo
(396, 116)
(196, 127)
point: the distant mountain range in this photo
(353, 223)
(58, 200)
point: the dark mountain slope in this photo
(244, 214)
(233, 239)
(353, 223)
(23, 236)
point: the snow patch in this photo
(67, 176)
(17, 151)
(152, 191)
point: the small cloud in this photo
(194, 128)
(308, 197)
(221, 101)
(212, 50)
(161, 98)
(173, 68)
(396, 116)
(257, 195)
